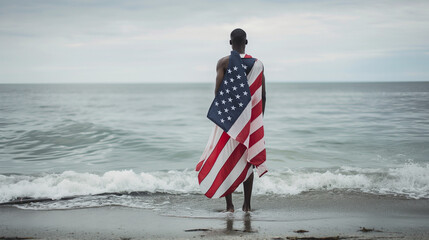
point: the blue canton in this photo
(233, 94)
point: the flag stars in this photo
(229, 70)
(237, 96)
(238, 77)
(231, 79)
(240, 104)
(226, 82)
(235, 68)
(219, 112)
(233, 108)
(221, 93)
(229, 118)
(226, 110)
(245, 93)
(234, 88)
(227, 91)
(229, 99)
(241, 84)
(216, 103)
(222, 121)
(223, 102)
(244, 66)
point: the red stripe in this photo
(256, 111)
(263, 173)
(242, 136)
(247, 56)
(256, 136)
(239, 180)
(199, 166)
(259, 158)
(226, 169)
(256, 84)
(213, 156)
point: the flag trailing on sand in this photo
(236, 144)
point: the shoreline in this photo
(321, 214)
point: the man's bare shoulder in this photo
(223, 63)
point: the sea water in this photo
(136, 145)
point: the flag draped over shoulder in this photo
(237, 140)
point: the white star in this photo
(226, 82)
(241, 84)
(238, 76)
(232, 108)
(216, 103)
(245, 74)
(244, 66)
(245, 93)
(222, 120)
(227, 91)
(234, 88)
(223, 101)
(229, 99)
(235, 68)
(221, 93)
(231, 79)
(229, 70)
(226, 109)
(219, 112)
(229, 118)
(237, 96)
(240, 104)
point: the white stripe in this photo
(261, 169)
(256, 148)
(249, 172)
(221, 159)
(233, 175)
(246, 142)
(257, 68)
(241, 121)
(256, 124)
(257, 96)
(212, 142)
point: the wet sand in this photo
(327, 215)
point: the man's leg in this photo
(229, 205)
(247, 185)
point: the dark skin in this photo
(221, 67)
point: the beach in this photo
(322, 214)
(142, 119)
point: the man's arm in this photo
(221, 66)
(263, 93)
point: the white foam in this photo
(70, 183)
(410, 180)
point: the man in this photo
(236, 145)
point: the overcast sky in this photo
(181, 41)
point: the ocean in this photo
(67, 146)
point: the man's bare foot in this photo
(246, 208)
(229, 208)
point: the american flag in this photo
(237, 141)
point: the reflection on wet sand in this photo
(247, 224)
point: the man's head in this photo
(238, 38)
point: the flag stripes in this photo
(229, 156)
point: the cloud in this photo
(135, 41)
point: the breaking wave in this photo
(410, 181)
